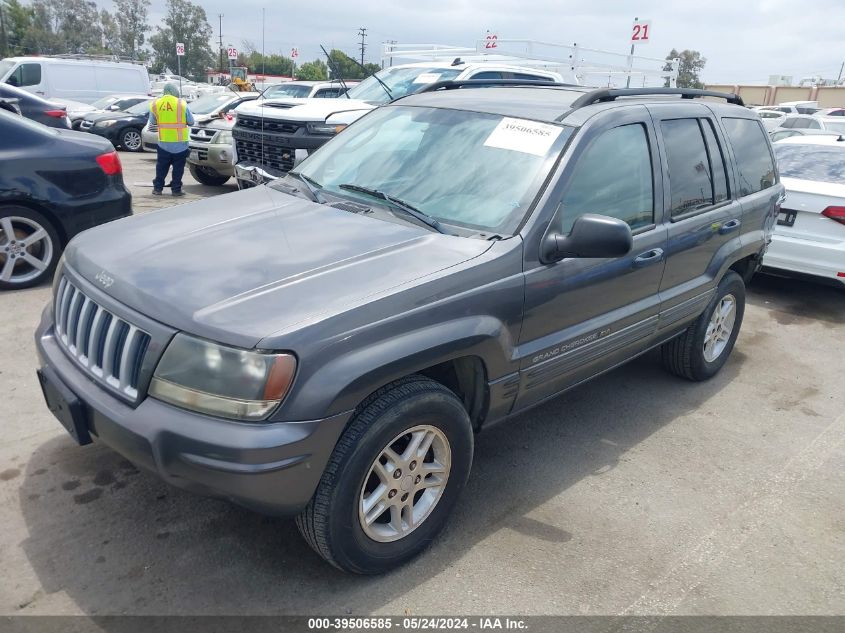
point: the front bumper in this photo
(250, 175)
(216, 157)
(272, 468)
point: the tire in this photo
(333, 523)
(131, 140)
(689, 355)
(18, 267)
(207, 176)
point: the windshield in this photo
(139, 108)
(5, 66)
(297, 91)
(209, 103)
(469, 169)
(400, 81)
(811, 162)
(102, 104)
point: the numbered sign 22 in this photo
(641, 33)
(232, 52)
(180, 49)
(491, 40)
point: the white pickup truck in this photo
(272, 135)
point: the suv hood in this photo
(304, 109)
(239, 267)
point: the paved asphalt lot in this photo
(636, 494)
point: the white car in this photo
(306, 90)
(771, 118)
(814, 122)
(809, 237)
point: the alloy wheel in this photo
(26, 249)
(720, 328)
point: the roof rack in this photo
(611, 94)
(448, 84)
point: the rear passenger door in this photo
(584, 315)
(704, 219)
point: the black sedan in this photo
(33, 107)
(53, 184)
(123, 129)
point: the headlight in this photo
(222, 381)
(105, 123)
(324, 128)
(223, 137)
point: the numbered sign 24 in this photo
(641, 33)
(180, 49)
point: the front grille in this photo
(268, 125)
(152, 127)
(280, 158)
(202, 135)
(108, 348)
(202, 154)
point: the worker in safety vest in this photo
(172, 116)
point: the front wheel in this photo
(704, 347)
(130, 140)
(207, 176)
(393, 478)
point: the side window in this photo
(328, 93)
(802, 124)
(717, 162)
(690, 185)
(813, 125)
(487, 74)
(784, 134)
(754, 159)
(25, 75)
(788, 122)
(612, 177)
(527, 77)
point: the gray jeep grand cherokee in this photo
(328, 345)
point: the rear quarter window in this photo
(755, 166)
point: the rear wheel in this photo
(393, 478)
(130, 140)
(705, 346)
(206, 175)
(29, 248)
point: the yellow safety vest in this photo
(171, 119)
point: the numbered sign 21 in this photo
(641, 33)
(232, 52)
(180, 49)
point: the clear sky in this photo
(744, 41)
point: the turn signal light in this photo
(837, 214)
(110, 163)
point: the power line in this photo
(363, 33)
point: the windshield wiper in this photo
(399, 204)
(311, 185)
(378, 79)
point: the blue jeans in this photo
(164, 160)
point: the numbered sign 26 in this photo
(232, 52)
(641, 32)
(180, 49)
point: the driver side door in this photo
(585, 315)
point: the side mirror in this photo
(592, 235)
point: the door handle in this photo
(730, 225)
(649, 257)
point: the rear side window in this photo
(612, 177)
(691, 179)
(527, 77)
(754, 160)
(25, 75)
(487, 74)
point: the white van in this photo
(83, 80)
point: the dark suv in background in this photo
(327, 346)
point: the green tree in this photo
(313, 71)
(16, 20)
(344, 65)
(187, 23)
(692, 63)
(130, 18)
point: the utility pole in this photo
(220, 47)
(838, 79)
(363, 33)
(391, 44)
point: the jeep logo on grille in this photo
(104, 279)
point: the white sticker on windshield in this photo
(520, 135)
(426, 78)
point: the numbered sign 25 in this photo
(641, 33)
(232, 52)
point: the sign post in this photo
(640, 34)
(180, 53)
(294, 53)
